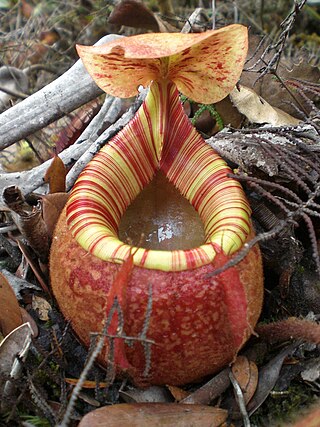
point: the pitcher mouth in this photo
(119, 172)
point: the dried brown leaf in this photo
(87, 384)
(178, 393)
(73, 125)
(258, 110)
(134, 14)
(27, 318)
(34, 266)
(26, 9)
(10, 314)
(298, 76)
(246, 373)
(56, 176)
(28, 219)
(211, 390)
(229, 114)
(155, 415)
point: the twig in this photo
(15, 93)
(68, 92)
(191, 21)
(213, 6)
(75, 393)
(240, 400)
(33, 179)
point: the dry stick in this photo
(15, 93)
(213, 5)
(240, 400)
(33, 179)
(75, 393)
(191, 21)
(68, 92)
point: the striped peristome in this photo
(160, 136)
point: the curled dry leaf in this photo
(155, 414)
(35, 267)
(29, 220)
(135, 14)
(56, 176)
(229, 114)
(10, 314)
(246, 373)
(258, 110)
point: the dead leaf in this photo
(18, 284)
(153, 394)
(28, 219)
(86, 384)
(311, 371)
(292, 328)
(42, 307)
(178, 393)
(75, 123)
(10, 314)
(56, 176)
(27, 318)
(229, 113)
(206, 124)
(155, 415)
(211, 390)
(246, 373)
(257, 110)
(268, 377)
(134, 14)
(300, 77)
(27, 9)
(13, 352)
(52, 205)
(34, 266)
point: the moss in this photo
(282, 407)
(35, 421)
